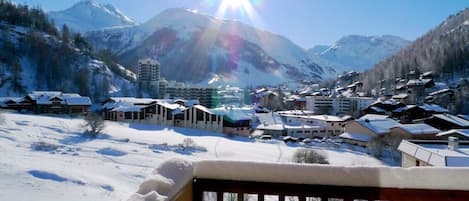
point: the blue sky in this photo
(305, 22)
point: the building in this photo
(447, 122)
(236, 121)
(362, 130)
(439, 153)
(294, 130)
(414, 131)
(338, 105)
(331, 125)
(148, 72)
(207, 96)
(55, 102)
(178, 113)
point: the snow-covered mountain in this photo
(358, 53)
(89, 15)
(202, 49)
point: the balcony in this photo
(240, 181)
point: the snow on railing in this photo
(175, 175)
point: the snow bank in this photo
(167, 180)
(391, 177)
(173, 175)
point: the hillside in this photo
(203, 48)
(36, 56)
(443, 50)
(47, 158)
(358, 53)
(90, 15)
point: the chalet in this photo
(362, 130)
(383, 107)
(462, 134)
(48, 102)
(447, 122)
(414, 131)
(236, 121)
(409, 113)
(439, 153)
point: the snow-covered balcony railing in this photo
(233, 180)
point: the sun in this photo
(233, 4)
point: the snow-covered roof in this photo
(419, 81)
(463, 132)
(133, 100)
(433, 108)
(379, 126)
(374, 116)
(464, 116)
(416, 129)
(377, 109)
(128, 108)
(295, 112)
(436, 154)
(287, 126)
(453, 119)
(400, 96)
(78, 100)
(148, 61)
(402, 109)
(36, 94)
(355, 136)
(327, 118)
(171, 106)
(442, 91)
(234, 113)
(202, 108)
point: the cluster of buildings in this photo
(148, 77)
(55, 102)
(179, 113)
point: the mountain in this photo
(202, 49)
(443, 50)
(358, 53)
(35, 56)
(89, 15)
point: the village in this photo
(404, 123)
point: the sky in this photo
(305, 22)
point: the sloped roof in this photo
(356, 136)
(78, 101)
(453, 119)
(463, 132)
(416, 129)
(378, 126)
(234, 114)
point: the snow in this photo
(453, 119)
(437, 154)
(90, 15)
(356, 136)
(234, 113)
(112, 166)
(379, 126)
(463, 132)
(373, 117)
(417, 129)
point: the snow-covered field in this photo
(46, 158)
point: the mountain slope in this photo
(358, 53)
(204, 48)
(35, 56)
(89, 15)
(443, 50)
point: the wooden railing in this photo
(226, 190)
